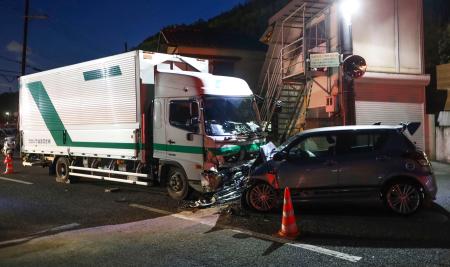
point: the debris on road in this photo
(111, 190)
(234, 184)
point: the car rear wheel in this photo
(262, 197)
(403, 197)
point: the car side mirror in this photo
(279, 156)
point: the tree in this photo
(444, 45)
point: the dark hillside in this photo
(249, 19)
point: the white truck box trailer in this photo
(139, 118)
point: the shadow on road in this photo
(347, 225)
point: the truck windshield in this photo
(230, 115)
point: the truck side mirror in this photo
(194, 120)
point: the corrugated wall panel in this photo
(388, 113)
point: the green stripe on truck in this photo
(178, 148)
(102, 73)
(48, 113)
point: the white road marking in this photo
(317, 249)
(151, 209)
(32, 236)
(15, 180)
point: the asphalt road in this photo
(44, 223)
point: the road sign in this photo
(324, 60)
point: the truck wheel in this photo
(62, 170)
(177, 184)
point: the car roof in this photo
(351, 128)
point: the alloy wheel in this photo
(262, 197)
(403, 198)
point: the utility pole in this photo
(26, 18)
(348, 84)
(25, 36)
(348, 7)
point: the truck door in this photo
(159, 130)
(184, 143)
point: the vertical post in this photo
(305, 42)
(25, 36)
(126, 46)
(346, 44)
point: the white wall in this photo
(443, 144)
(388, 34)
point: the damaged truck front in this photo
(232, 135)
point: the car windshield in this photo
(286, 143)
(230, 115)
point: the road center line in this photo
(15, 180)
(317, 249)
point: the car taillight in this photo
(422, 158)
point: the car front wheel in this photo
(403, 197)
(262, 197)
(177, 184)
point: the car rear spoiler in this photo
(410, 126)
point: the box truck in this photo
(139, 118)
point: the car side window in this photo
(355, 143)
(313, 147)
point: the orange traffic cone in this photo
(288, 225)
(9, 164)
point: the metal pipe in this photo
(107, 178)
(108, 171)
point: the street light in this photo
(348, 8)
(7, 117)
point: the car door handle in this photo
(330, 163)
(382, 158)
(170, 141)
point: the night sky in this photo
(80, 30)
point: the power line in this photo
(11, 79)
(11, 71)
(18, 62)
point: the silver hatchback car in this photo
(346, 162)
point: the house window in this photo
(317, 37)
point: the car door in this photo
(310, 164)
(362, 159)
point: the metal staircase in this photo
(287, 81)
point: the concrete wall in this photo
(443, 144)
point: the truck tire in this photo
(177, 184)
(62, 170)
